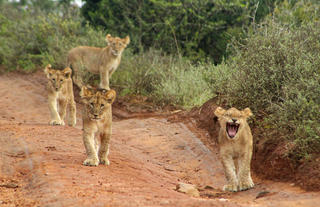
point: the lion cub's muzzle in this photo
(95, 117)
(232, 128)
(115, 52)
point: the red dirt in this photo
(41, 165)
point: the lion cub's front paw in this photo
(91, 162)
(246, 185)
(72, 123)
(57, 122)
(104, 161)
(230, 187)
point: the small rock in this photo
(10, 185)
(164, 202)
(51, 148)
(262, 194)
(223, 199)
(19, 153)
(208, 187)
(188, 189)
(168, 168)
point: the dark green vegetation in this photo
(264, 56)
(193, 29)
(34, 37)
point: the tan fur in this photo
(97, 119)
(235, 148)
(103, 61)
(60, 96)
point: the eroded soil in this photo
(41, 165)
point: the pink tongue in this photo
(232, 131)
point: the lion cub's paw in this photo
(72, 123)
(57, 122)
(91, 162)
(246, 185)
(230, 187)
(104, 161)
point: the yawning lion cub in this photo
(235, 143)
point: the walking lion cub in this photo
(97, 119)
(103, 61)
(235, 145)
(60, 96)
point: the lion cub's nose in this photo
(234, 120)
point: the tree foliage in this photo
(196, 29)
(276, 72)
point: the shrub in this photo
(277, 75)
(29, 40)
(165, 79)
(196, 30)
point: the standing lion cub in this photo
(103, 61)
(97, 119)
(60, 95)
(235, 143)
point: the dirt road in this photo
(41, 164)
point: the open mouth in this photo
(232, 129)
(95, 119)
(115, 53)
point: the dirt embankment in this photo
(41, 165)
(269, 157)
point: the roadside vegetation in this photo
(262, 54)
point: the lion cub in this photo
(103, 61)
(235, 143)
(97, 119)
(60, 95)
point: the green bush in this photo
(278, 76)
(193, 29)
(165, 79)
(29, 40)
(184, 86)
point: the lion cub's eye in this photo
(61, 80)
(102, 105)
(53, 79)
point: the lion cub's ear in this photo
(48, 71)
(85, 92)
(109, 38)
(110, 95)
(247, 112)
(67, 72)
(219, 111)
(127, 40)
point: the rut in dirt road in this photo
(148, 158)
